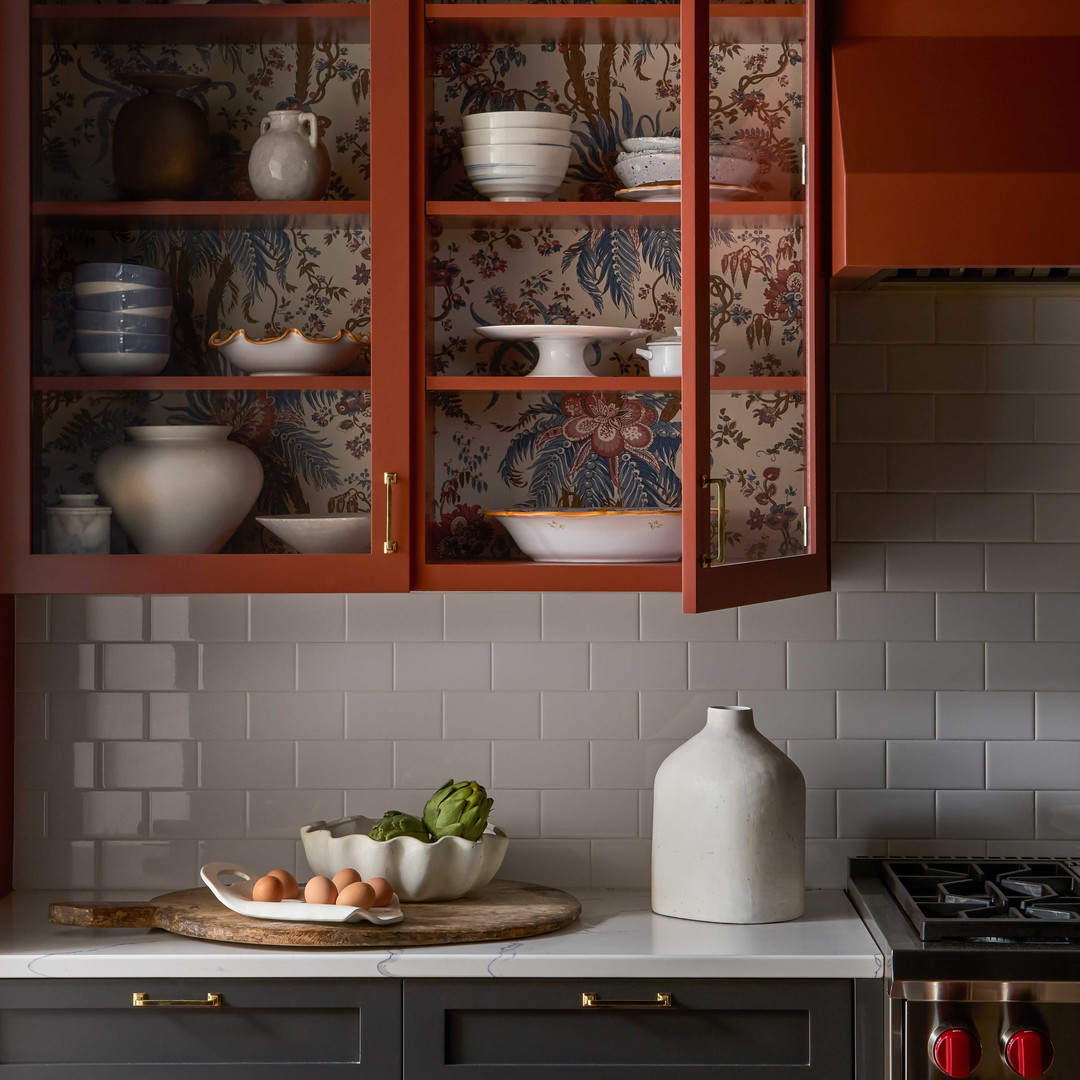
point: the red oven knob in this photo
(956, 1052)
(1028, 1053)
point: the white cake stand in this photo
(562, 348)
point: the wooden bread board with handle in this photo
(500, 911)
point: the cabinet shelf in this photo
(218, 25)
(612, 214)
(526, 576)
(618, 23)
(91, 383)
(238, 214)
(629, 383)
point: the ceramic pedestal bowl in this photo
(444, 870)
(595, 536)
(563, 349)
(321, 534)
(290, 353)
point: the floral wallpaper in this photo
(615, 91)
(609, 449)
(82, 93)
(487, 451)
(628, 276)
(261, 279)
(315, 446)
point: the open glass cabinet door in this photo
(754, 427)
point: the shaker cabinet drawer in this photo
(273, 1029)
(750, 1029)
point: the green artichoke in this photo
(395, 823)
(459, 809)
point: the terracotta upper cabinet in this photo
(508, 298)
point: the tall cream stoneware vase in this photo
(179, 488)
(729, 826)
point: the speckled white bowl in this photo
(444, 870)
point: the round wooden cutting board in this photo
(501, 911)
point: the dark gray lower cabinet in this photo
(509, 1029)
(264, 1029)
(436, 1029)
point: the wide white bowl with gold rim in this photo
(595, 536)
(290, 353)
(443, 870)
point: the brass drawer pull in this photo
(212, 1001)
(708, 561)
(390, 544)
(592, 1001)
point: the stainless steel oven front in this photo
(984, 1030)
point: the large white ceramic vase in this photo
(179, 489)
(729, 826)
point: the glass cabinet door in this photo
(754, 416)
(258, 289)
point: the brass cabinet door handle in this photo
(211, 1001)
(721, 510)
(390, 545)
(593, 1001)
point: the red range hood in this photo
(956, 134)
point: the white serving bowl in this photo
(121, 353)
(92, 278)
(669, 144)
(523, 135)
(444, 870)
(601, 536)
(321, 534)
(119, 322)
(651, 167)
(520, 118)
(135, 301)
(516, 172)
(290, 353)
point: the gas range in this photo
(982, 964)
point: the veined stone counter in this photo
(617, 936)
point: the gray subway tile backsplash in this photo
(933, 699)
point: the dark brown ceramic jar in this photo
(161, 142)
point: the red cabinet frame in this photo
(399, 382)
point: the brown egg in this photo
(384, 891)
(358, 894)
(267, 890)
(344, 877)
(292, 890)
(320, 890)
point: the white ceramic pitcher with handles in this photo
(288, 160)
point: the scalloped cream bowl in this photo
(595, 536)
(290, 353)
(444, 870)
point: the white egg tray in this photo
(236, 896)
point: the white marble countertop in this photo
(616, 937)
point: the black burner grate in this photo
(1001, 899)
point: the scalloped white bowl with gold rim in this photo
(595, 536)
(290, 353)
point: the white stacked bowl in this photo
(122, 315)
(516, 156)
